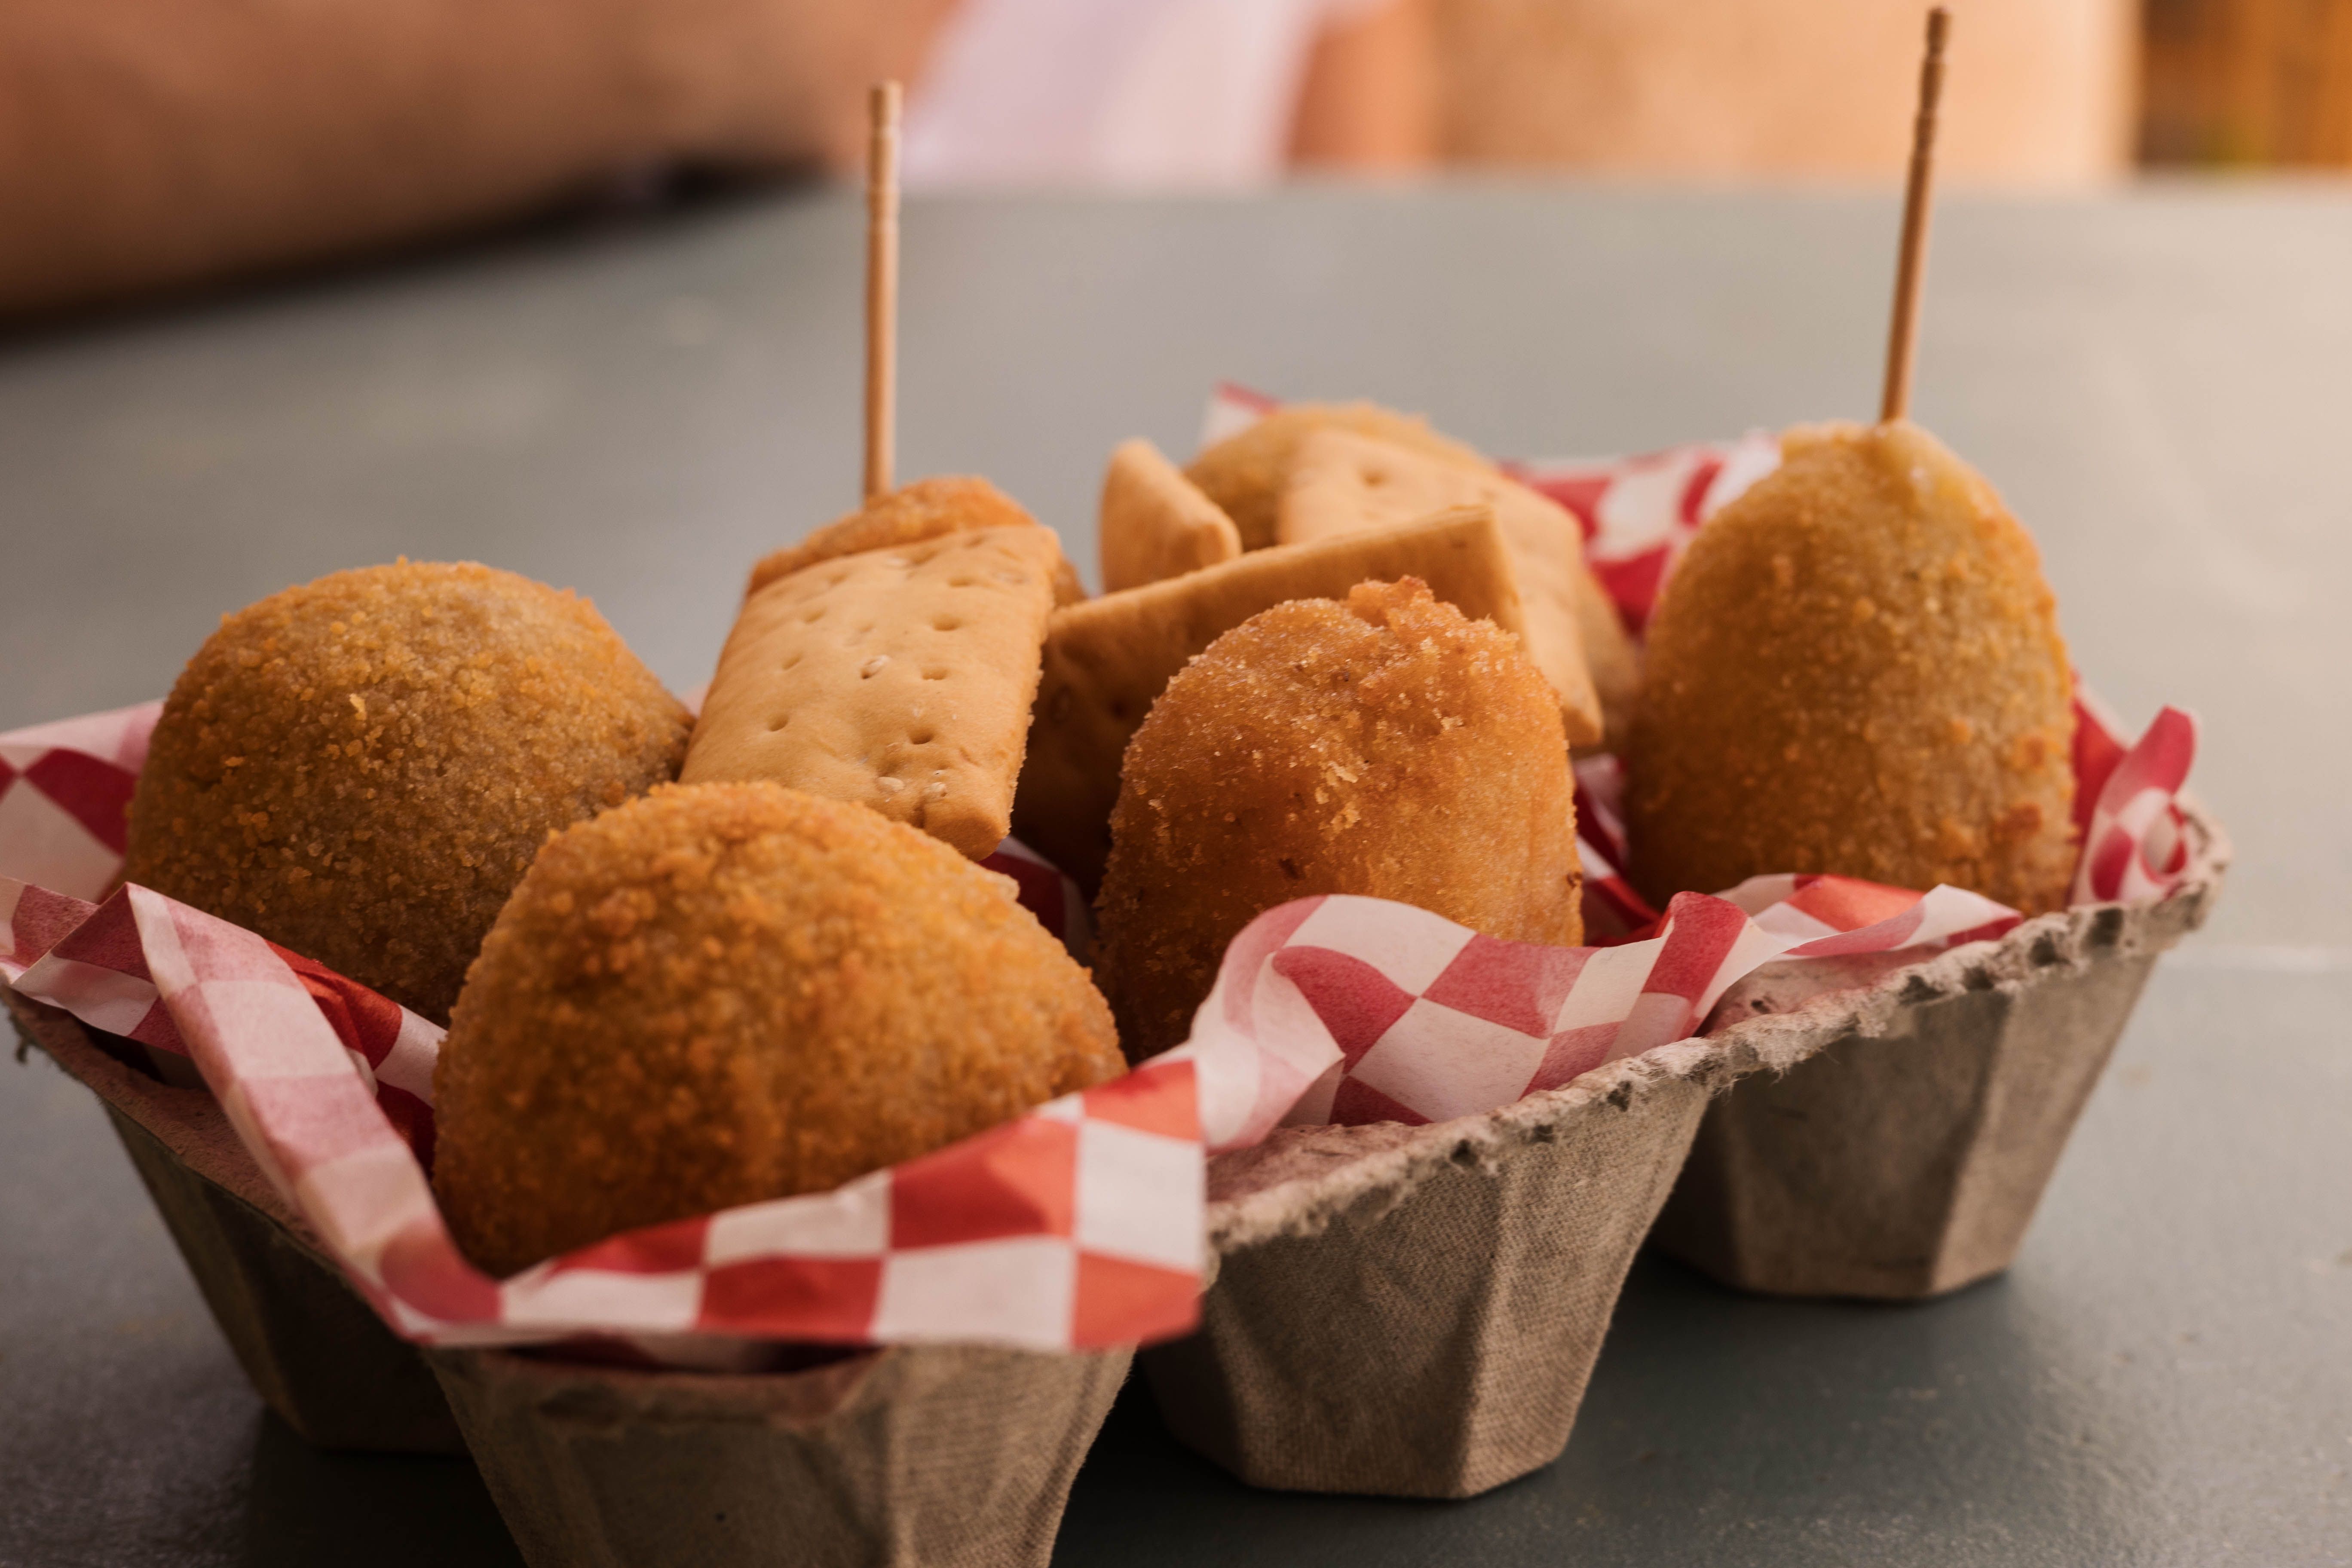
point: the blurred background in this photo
(151, 146)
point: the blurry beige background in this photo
(2040, 92)
(2246, 82)
(155, 146)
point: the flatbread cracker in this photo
(1156, 522)
(1340, 481)
(1108, 660)
(899, 678)
(927, 509)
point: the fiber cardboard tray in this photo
(1901, 1142)
(1407, 1310)
(1415, 1310)
(911, 1457)
(315, 1351)
(889, 1458)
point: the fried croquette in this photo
(1857, 668)
(1341, 482)
(362, 768)
(949, 503)
(1244, 473)
(722, 993)
(1108, 660)
(1250, 474)
(1386, 747)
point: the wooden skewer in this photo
(1894, 400)
(881, 285)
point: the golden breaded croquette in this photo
(1341, 482)
(722, 993)
(949, 503)
(1857, 668)
(1386, 746)
(1244, 473)
(1258, 475)
(360, 769)
(1106, 661)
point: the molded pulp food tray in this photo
(1415, 1310)
(1401, 1309)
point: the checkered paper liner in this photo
(65, 797)
(1427, 1020)
(1076, 1226)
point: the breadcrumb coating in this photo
(1387, 747)
(362, 768)
(949, 503)
(722, 993)
(1857, 668)
(1244, 473)
(1247, 474)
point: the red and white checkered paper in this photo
(1426, 1020)
(65, 795)
(1077, 1225)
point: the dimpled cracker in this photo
(899, 678)
(1156, 522)
(1340, 481)
(927, 509)
(1108, 660)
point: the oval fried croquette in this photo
(1387, 747)
(726, 993)
(360, 769)
(1857, 668)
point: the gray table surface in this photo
(2155, 379)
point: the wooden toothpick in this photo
(1894, 400)
(881, 285)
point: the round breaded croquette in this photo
(1245, 472)
(1857, 668)
(728, 992)
(360, 769)
(1387, 747)
(927, 509)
